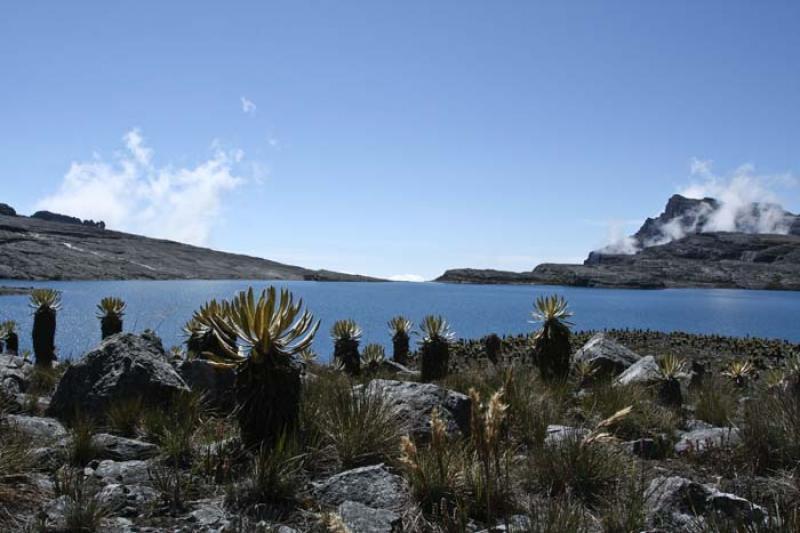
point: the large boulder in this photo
(678, 504)
(37, 429)
(213, 381)
(607, 355)
(413, 403)
(122, 367)
(7, 210)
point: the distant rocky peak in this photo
(688, 216)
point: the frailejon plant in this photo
(45, 303)
(346, 335)
(110, 311)
(492, 346)
(739, 372)
(373, 357)
(669, 392)
(272, 330)
(551, 344)
(10, 337)
(208, 334)
(400, 329)
(435, 347)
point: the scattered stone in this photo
(373, 486)
(699, 440)
(126, 500)
(557, 434)
(37, 428)
(122, 449)
(358, 517)
(210, 516)
(676, 502)
(607, 355)
(124, 472)
(122, 367)
(414, 402)
(215, 382)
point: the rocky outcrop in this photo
(681, 248)
(414, 402)
(7, 211)
(645, 371)
(122, 367)
(50, 247)
(606, 355)
(676, 502)
(358, 517)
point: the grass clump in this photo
(124, 416)
(82, 510)
(360, 426)
(715, 402)
(81, 447)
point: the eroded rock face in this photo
(607, 355)
(122, 367)
(414, 402)
(372, 486)
(676, 502)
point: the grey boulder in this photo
(38, 429)
(701, 439)
(606, 354)
(679, 503)
(413, 403)
(122, 367)
(372, 486)
(645, 371)
(116, 448)
(358, 517)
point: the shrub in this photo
(124, 416)
(82, 511)
(400, 329)
(81, 444)
(647, 418)
(346, 335)
(360, 426)
(771, 430)
(715, 402)
(45, 303)
(556, 515)
(277, 473)
(110, 312)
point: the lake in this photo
(472, 310)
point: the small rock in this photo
(556, 434)
(37, 428)
(122, 449)
(699, 440)
(209, 516)
(124, 472)
(126, 500)
(607, 355)
(359, 517)
(414, 402)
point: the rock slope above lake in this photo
(41, 249)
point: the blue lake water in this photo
(472, 310)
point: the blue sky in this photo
(393, 138)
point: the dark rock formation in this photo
(725, 260)
(414, 402)
(607, 355)
(7, 210)
(679, 249)
(122, 367)
(214, 382)
(676, 502)
(372, 486)
(43, 249)
(66, 219)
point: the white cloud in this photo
(415, 278)
(248, 106)
(131, 194)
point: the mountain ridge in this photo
(51, 247)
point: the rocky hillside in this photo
(52, 247)
(744, 259)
